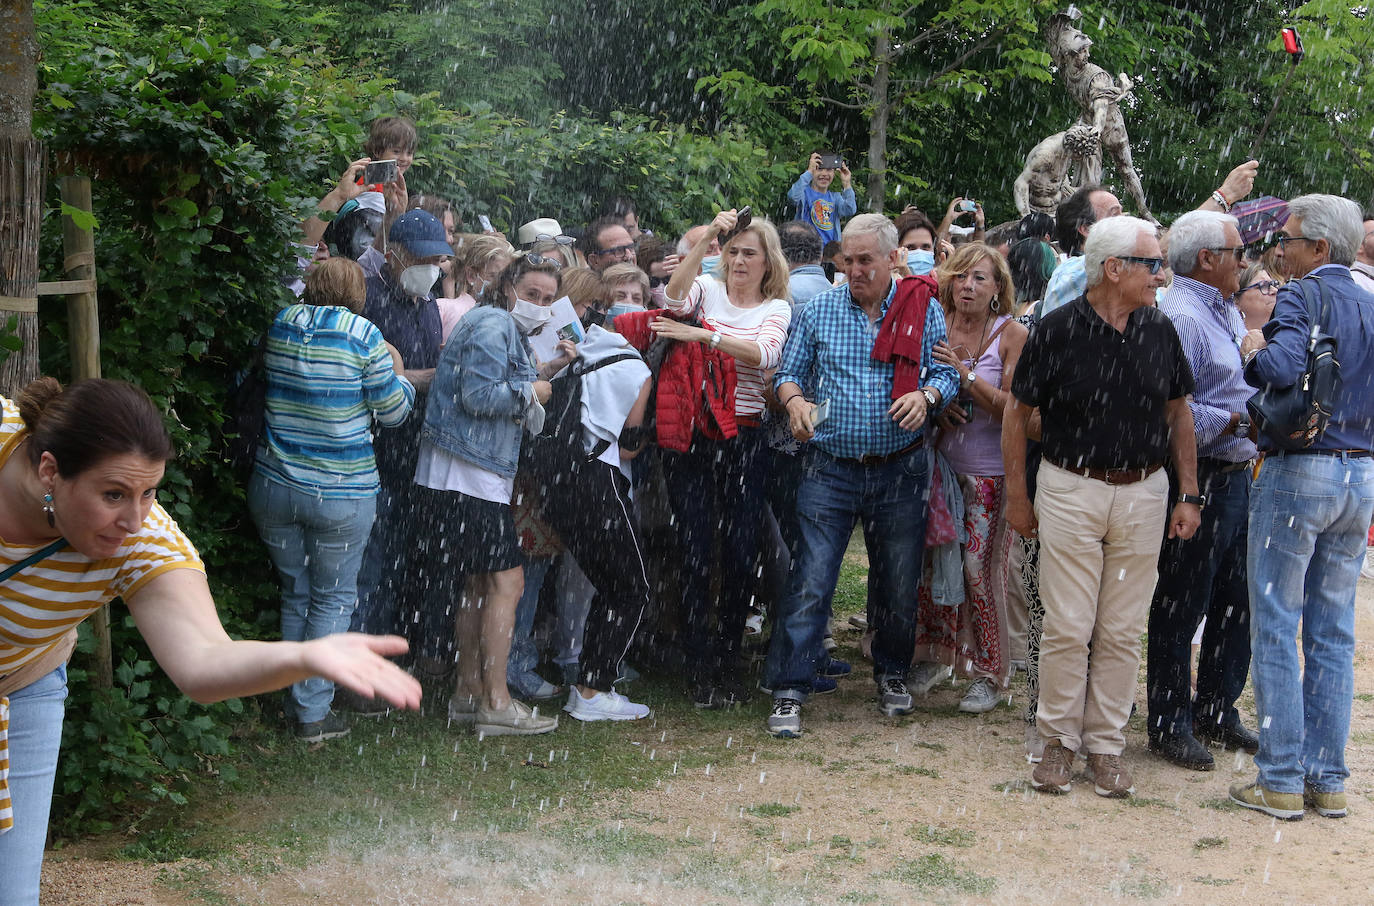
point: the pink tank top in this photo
(975, 448)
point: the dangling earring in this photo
(48, 510)
(996, 304)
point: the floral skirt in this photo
(972, 637)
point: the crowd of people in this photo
(539, 460)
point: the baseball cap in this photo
(421, 233)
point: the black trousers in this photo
(596, 523)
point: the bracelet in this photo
(783, 403)
(1221, 200)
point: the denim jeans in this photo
(1308, 517)
(34, 737)
(317, 545)
(1202, 577)
(524, 653)
(889, 500)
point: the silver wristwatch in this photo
(931, 399)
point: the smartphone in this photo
(820, 413)
(968, 205)
(743, 217)
(381, 172)
(832, 162)
(486, 223)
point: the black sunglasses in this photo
(655, 282)
(1266, 287)
(1154, 264)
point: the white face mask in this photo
(530, 317)
(418, 279)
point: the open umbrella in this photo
(1260, 218)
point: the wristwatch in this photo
(1197, 499)
(972, 376)
(1243, 426)
(714, 341)
(931, 399)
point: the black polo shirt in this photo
(1102, 393)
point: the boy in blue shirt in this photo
(816, 204)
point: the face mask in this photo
(920, 261)
(418, 279)
(530, 317)
(660, 296)
(710, 265)
(593, 317)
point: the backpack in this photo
(246, 409)
(554, 458)
(1294, 418)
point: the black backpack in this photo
(1294, 418)
(246, 412)
(554, 458)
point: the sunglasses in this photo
(1282, 240)
(561, 240)
(1154, 264)
(655, 282)
(1238, 251)
(618, 250)
(1266, 287)
(537, 260)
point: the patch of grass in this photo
(815, 758)
(933, 746)
(1364, 697)
(1011, 786)
(838, 766)
(1221, 804)
(1213, 882)
(855, 896)
(1208, 843)
(1144, 802)
(911, 769)
(936, 872)
(943, 836)
(1145, 888)
(772, 810)
(168, 844)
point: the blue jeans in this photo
(35, 734)
(889, 500)
(1308, 518)
(317, 544)
(524, 654)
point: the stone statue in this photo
(1099, 125)
(1044, 182)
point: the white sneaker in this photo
(603, 706)
(927, 676)
(980, 698)
(1035, 744)
(1368, 569)
(753, 624)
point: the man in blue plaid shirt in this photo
(864, 460)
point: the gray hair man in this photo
(1204, 576)
(1309, 511)
(1110, 380)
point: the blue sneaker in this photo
(834, 667)
(823, 685)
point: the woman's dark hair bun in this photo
(35, 397)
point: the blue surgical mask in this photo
(710, 265)
(920, 261)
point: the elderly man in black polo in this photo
(1110, 379)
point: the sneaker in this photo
(1054, 773)
(894, 699)
(717, 698)
(462, 709)
(331, 726)
(834, 667)
(534, 688)
(828, 644)
(1328, 805)
(1035, 745)
(1184, 750)
(1110, 777)
(753, 624)
(353, 703)
(604, 706)
(980, 698)
(519, 719)
(859, 621)
(927, 676)
(1285, 806)
(784, 722)
(820, 685)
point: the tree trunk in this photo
(877, 126)
(22, 166)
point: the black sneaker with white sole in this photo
(894, 699)
(331, 726)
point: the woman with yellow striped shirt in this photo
(79, 526)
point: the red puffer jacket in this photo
(695, 384)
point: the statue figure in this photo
(1044, 182)
(1100, 124)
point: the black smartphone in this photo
(832, 162)
(743, 218)
(381, 172)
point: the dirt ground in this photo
(862, 809)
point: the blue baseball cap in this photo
(421, 233)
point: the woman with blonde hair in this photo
(480, 260)
(716, 487)
(984, 342)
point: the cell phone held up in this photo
(968, 206)
(831, 162)
(743, 217)
(380, 173)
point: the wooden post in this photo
(83, 331)
(22, 165)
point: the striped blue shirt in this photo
(1067, 283)
(1210, 329)
(829, 355)
(329, 374)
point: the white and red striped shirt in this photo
(764, 324)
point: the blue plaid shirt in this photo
(1210, 329)
(829, 355)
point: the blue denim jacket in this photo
(482, 386)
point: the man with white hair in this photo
(1309, 511)
(1204, 576)
(864, 460)
(1111, 382)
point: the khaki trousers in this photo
(1099, 556)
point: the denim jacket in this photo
(482, 386)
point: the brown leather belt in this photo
(1110, 476)
(870, 459)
